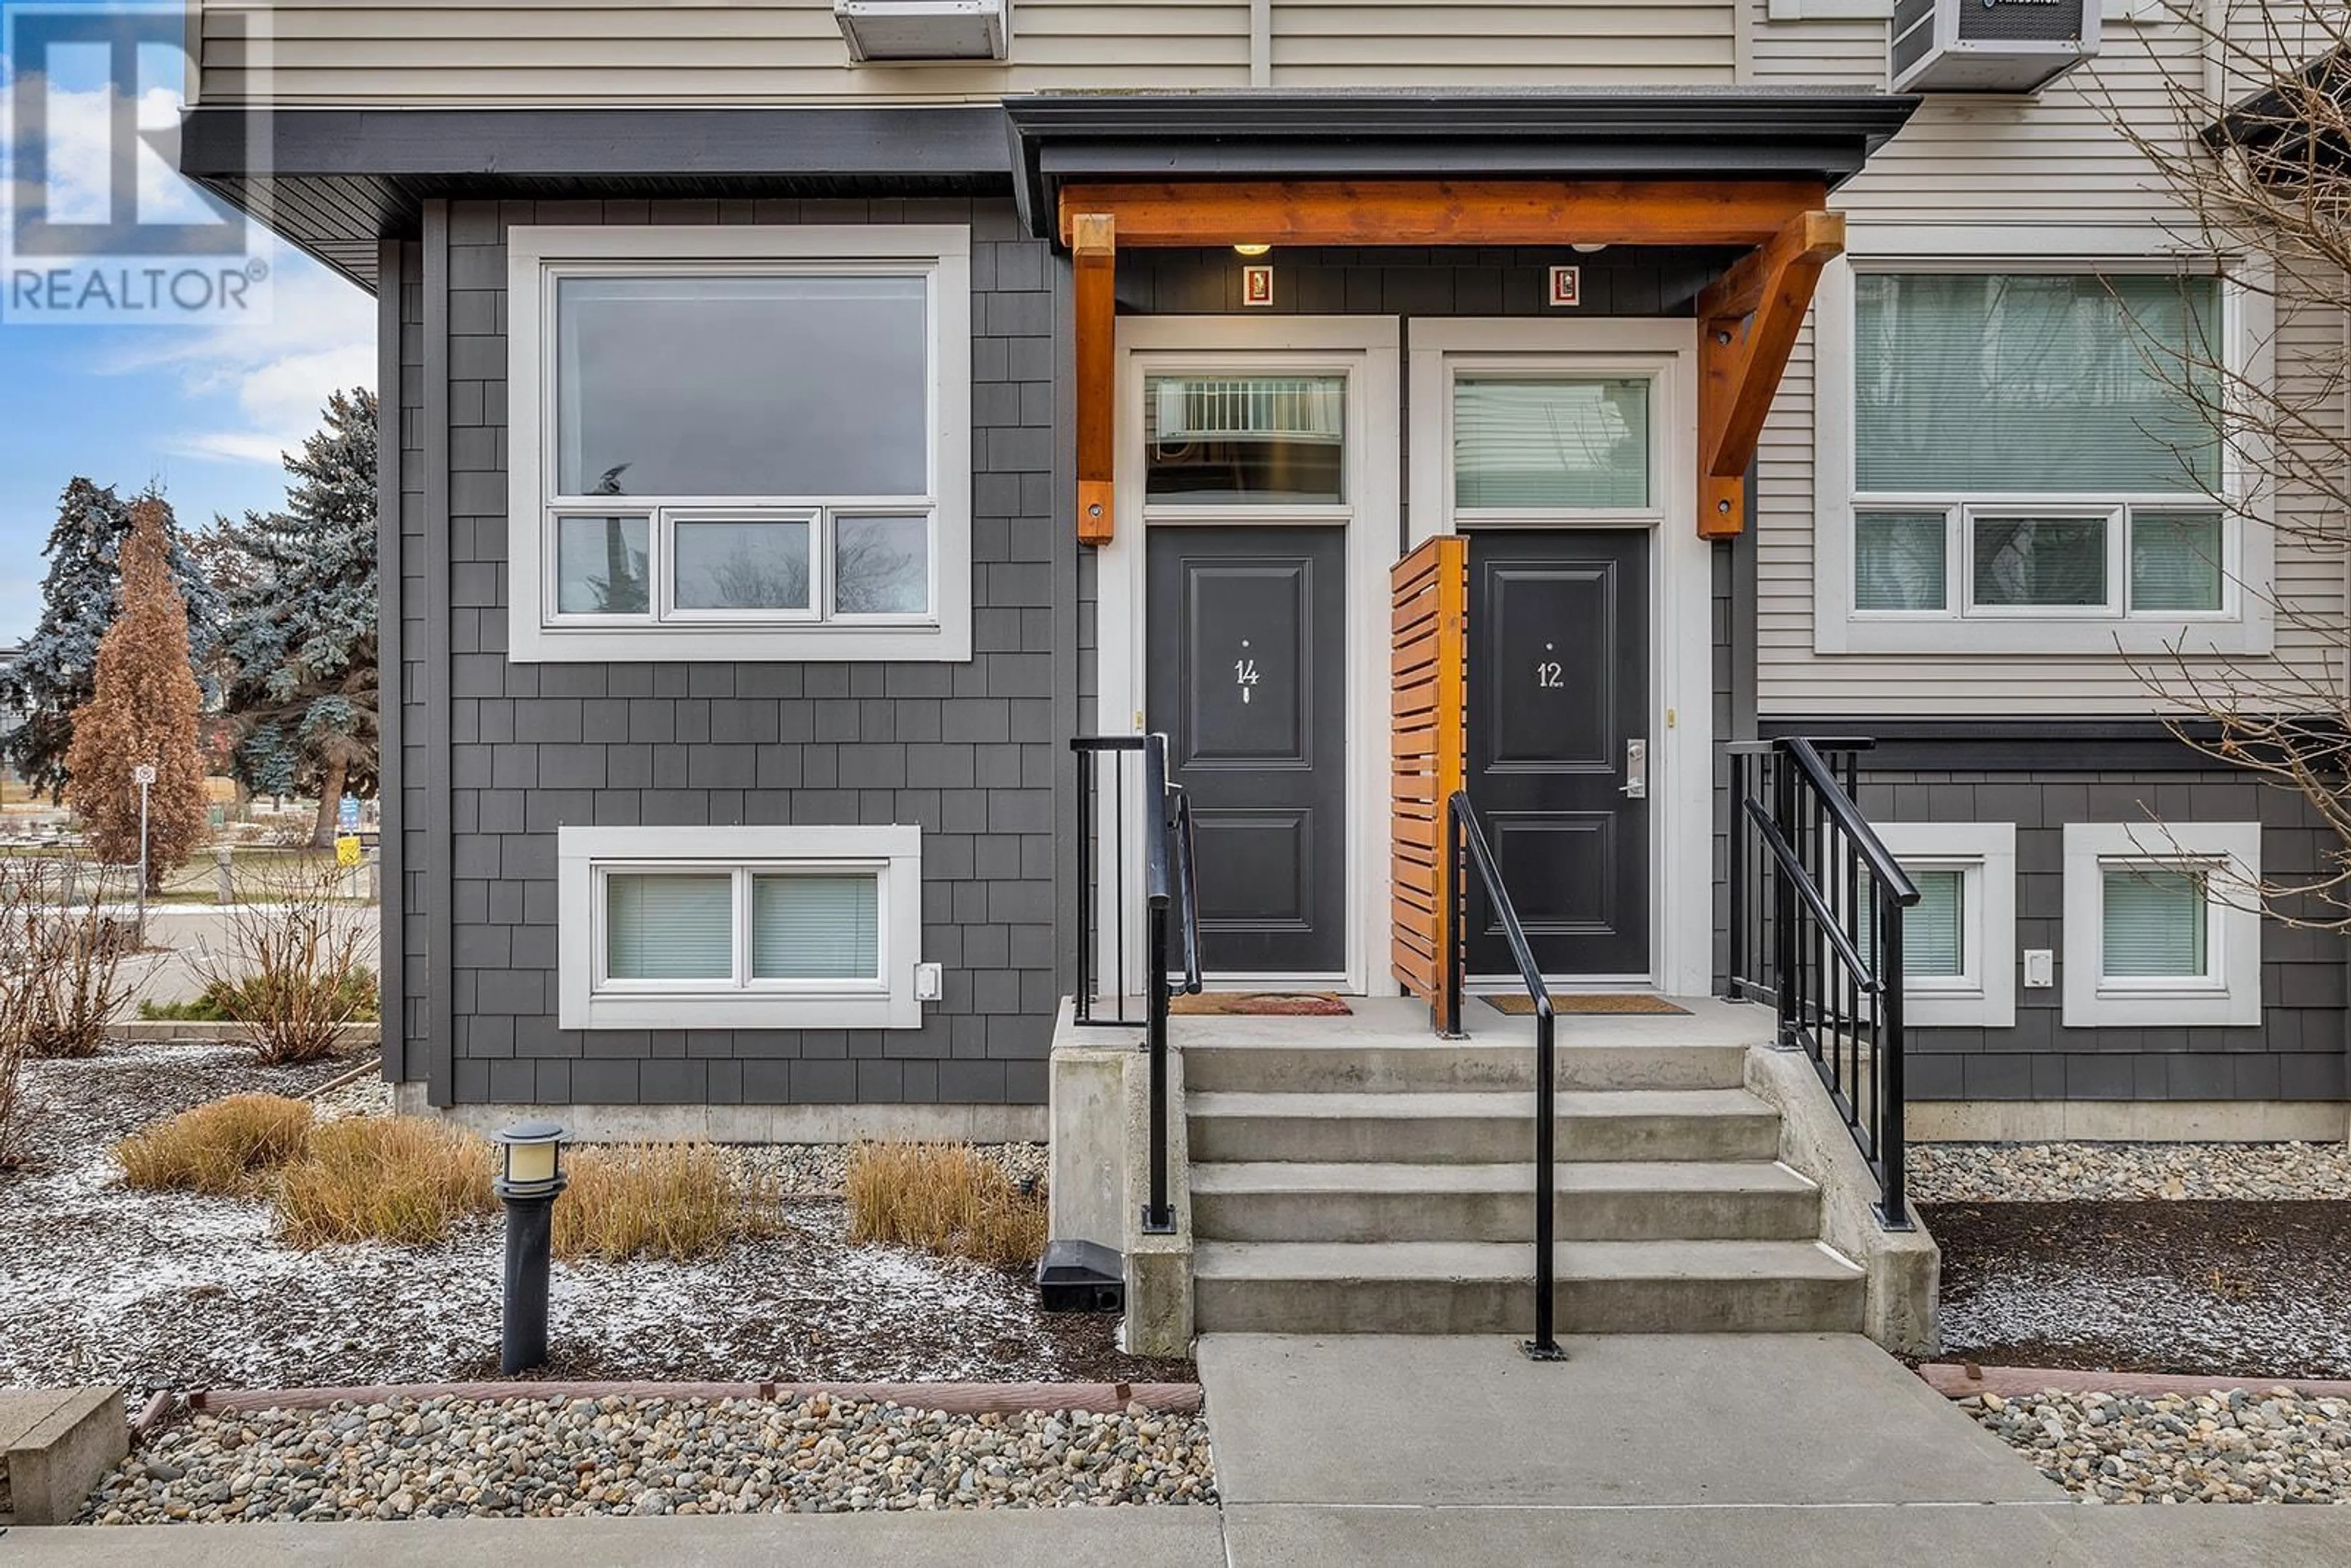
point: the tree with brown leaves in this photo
(145, 709)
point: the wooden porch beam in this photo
(1443, 212)
(1747, 323)
(1093, 245)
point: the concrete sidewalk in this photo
(1677, 1451)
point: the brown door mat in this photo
(1262, 1004)
(1520, 1004)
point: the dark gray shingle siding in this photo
(969, 752)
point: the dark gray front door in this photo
(1559, 690)
(1248, 680)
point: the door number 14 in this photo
(1245, 676)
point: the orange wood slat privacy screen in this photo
(1428, 680)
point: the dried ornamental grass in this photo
(225, 1148)
(943, 1198)
(678, 1201)
(382, 1178)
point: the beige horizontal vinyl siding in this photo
(1412, 43)
(511, 52)
(1995, 176)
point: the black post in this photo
(522, 1324)
(1893, 1207)
(1455, 956)
(1158, 1216)
(1783, 898)
(1545, 1346)
(1082, 1009)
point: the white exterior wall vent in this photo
(881, 32)
(1987, 46)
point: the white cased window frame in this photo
(538, 256)
(588, 999)
(1984, 995)
(2228, 855)
(2245, 625)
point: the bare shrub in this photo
(60, 958)
(382, 1178)
(226, 1148)
(295, 963)
(944, 1198)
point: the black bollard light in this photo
(530, 1175)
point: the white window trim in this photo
(537, 254)
(2245, 625)
(1984, 996)
(2230, 854)
(585, 855)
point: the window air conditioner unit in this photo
(884, 31)
(1987, 46)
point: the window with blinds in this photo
(1934, 930)
(1551, 442)
(2155, 922)
(700, 926)
(2037, 443)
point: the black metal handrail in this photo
(1169, 895)
(1464, 843)
(1817, 905)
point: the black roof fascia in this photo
(1690, 132)
(335, 179)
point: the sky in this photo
(202, 412)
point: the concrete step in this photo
(1461, 1127)
(1483, 1287)
(1341, 1065)
(1638, 1201)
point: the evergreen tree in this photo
(56, 674)
(143, 708)
(301, 630)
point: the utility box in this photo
(1987, 46)
(907, 32)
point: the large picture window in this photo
(751, 443)
(2031, 443)
(740, 926)
(2031, 460)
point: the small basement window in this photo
(2162, 923)
(747, 928)
(1958, 941)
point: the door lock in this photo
(1636, 772)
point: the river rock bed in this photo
(2227, 1445)
(2061, 1173)
(536, 1458)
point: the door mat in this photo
(1260, 1004)
(1520, 1005)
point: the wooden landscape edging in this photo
(1429, 707)
(1957, 1381)
(954, 1398)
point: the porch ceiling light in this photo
(882, 31)
(1588, 248)
(1251, 249)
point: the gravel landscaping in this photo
(2229, 1446)
(527, 1457)
(102, 1284)
(2055, 1172)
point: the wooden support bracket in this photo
(1748, 321)
(1093, 245)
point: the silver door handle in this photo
(1636, 772)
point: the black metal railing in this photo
(1466, 850)
(1817, 912)
(1170, 911)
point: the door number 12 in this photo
(1548, 674)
